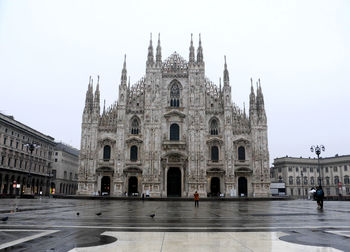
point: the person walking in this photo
(196, 199)
(319, 197)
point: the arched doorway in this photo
(242, 187)
(105, 185)
(132, 186)
(174, 182)
(215, 186)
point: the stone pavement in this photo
(53, 225)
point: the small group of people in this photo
(318, 195)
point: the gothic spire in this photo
(226, 75)
(150, 58)
(159, 52)
(200, 51)
(191, 57)
(124, 78)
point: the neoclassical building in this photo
(172, 133)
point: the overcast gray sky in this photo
(299, 50)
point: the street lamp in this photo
(302, 181)
(31, 147)
(318, 150)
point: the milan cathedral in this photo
(172, 133)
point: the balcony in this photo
(104, 162)
(217, 163)
(242, 163)
(171, 145)
(133, 163)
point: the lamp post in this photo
(31, 147)
(318, 150)
(302, 181)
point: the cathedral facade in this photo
(172, 133)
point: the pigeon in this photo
(5, 218)
(152, 215)
(98, 214)
(78, 213)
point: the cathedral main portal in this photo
(174, 182)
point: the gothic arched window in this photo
(174, 132)
(214, 154)
(106, 152)
(174, 95)
(214, 127)
(133, 153)
(241, 153)
(135, 126)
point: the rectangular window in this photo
(299, 191)
(15, 163)
(70, 176)
(296, 169)
(54, 174)
(311, 169)
(55, 159)
(65, 175)
(304, 169)
(335, 169)
(291, 192)
(11, 142)
(5, 140)
(22, 146)
(345, 167)
(326, 169)
(290, 169)
(16, 145)
(328, 191)
(9, 162)
(279, 169)
(20, 163)
(56, 153)
(2, 160)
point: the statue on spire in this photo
(200, 51)
(150, 58)
(124, 78)
(159, 52)
(191, 57)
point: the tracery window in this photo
(135, 126)
(174, 132)
(214, 154)
(175, 95)
(214, 127)
(106, 152)
(241, 153)
(133, 153)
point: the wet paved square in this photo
(126, 225)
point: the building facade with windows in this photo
(301, 174)
(172, 133)
(20, 170)
(65, 170)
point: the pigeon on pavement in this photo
(5, 218)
